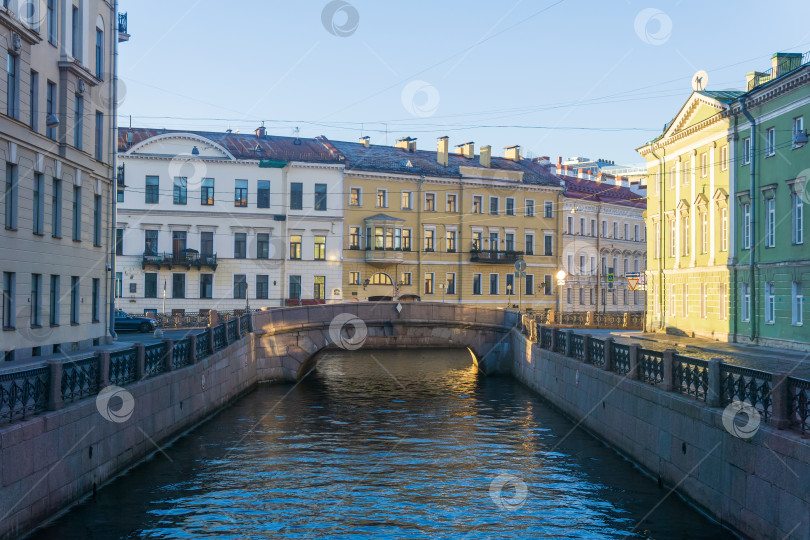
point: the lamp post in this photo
(508, 295)
(561, 282)
(441, 286)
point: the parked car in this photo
(127, 323)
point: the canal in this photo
(389, 444)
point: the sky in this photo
(595, 78)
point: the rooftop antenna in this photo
(297, 139)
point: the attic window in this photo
(408, 163)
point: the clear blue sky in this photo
(604, 75)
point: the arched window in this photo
(381, 279)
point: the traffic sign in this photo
(611, 278)
(632, 282)
(632, 275)
(520, 265)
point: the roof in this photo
(243, 145)
(577, 188)
(389, 159)
(725, 96)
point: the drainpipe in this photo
(598, 255)
(661, 251)
(419, 244)
(751, 283)
(113, 149)
(560, 212)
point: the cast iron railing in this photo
(561, 343)
(650, 366)
(24, 393)
(690, 376)
(220, 338)
(746, 385)
(80, 379)
(545, 338)
(244, 324)
(578, 347)
(620, 358)
(181, 353)
(233, 330)
(596, 352)
(153, 359)
(123, 366)
(799, 400)
(204, 344)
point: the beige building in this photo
(56, 154)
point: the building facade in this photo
(56, 152)
(603, 234)
(226, 221)
(771, 255)
(448, 226)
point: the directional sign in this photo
(632, 275)
(520, 274)
(520, 265)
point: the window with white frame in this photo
(429, 279)
(770, 142)
(746, 225)
(704, 165)
(746, 151)
(530, 208)
(745, 302)
(430, 202)
(657, 237)
(529, 243)
(510, 206)
(685, 235)
(355, 196)
(354, 278)
(704, 232)
(657, 184)
(382, 198)
(672, 236)
(797, 303)
(798, 129)
(724, 229)
(451, 203)
(494, 203)
(635, 233)
(770, 304)
(477, 206)
(407, 200)
(672, 178)
(770, 222)
(685, 172)
(724, 158)
(797, 218)
(548, 209)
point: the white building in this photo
(56, 155)
(225, 220)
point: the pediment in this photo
(701, 200)
(683, 205)
(180, 144)
(696, 109)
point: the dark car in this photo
(127, 323)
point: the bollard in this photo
(667, 383)
(140, 361)
(634, 373)
(168, 355)
(713, 393)
(780, 401)
(55, 391)
(608, 354)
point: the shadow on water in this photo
(400, 444)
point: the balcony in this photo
(187, 259)
(495, 257)
(384, 256)
(122, 28)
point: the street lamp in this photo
(561, 282)
(508, 295)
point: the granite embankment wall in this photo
(759, 487)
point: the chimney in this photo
(782, 63)
(365, 141)
(260, 131)
(441, 153)
(466, 149)
(512, 152)
(406, 143)
(485, 156)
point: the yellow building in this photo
(448, 226)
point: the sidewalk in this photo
(794, 363)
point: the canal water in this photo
(386, 444)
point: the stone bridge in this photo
(287, 340)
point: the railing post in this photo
(780, 400)
(192, 348)
(168, 355)
(713, 393)
(608, 354)
(626, 320)
(633, 373)
(553, 346)
(589, 318)
(211, 347)
(533, 327)
(586, 348)
(55, 391)
(667, 383)
(140, 361)
(569, 349)
(103, 369)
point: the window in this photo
(319, 285)
(582, 230)
(13, 86)
(615, 230)
(510, 284)
(179, 244)
(582, 297)
(207, 243)
(770, 142)
(36, 299)
(100, 53)
(407, 200)
(262, 246)
(9, 313)
(477, 207)
(77, 213)
(240, 286)
(262, 287)
(493, 284)
(797, 303)
(405, 279)
(429, 283)
(704, 232)
(746, 225)
(430, 202)
(406, 239)
(770, 222)
(704, 165)
(450, 282)
(97, 220)
(450, 239)
(510, 242)
(99, 136)
(430, 236)
(150, 285)
(320, 198)
(354, 278)
(685, 173)
(593, 228)
(476, 284)
(320, 248)
(724, 229)
(657, 240)
(382, 198)
(95, 300)
(510, 206)
(529, 204)
(529, 288)
(672, 236)
(206, 285)
(51, 20)
(797, 219)
(635, 233)
(570, 225)
(180, 190)
(493, 206)
(150, 245)
(548, 245)
(626, 232)
(206, 192)
(548, 208)
(75, 35)
(746, 151)
(262, 194)
(178, 285)
(33, 101)
(770, 314)
(529, 244)
(78, 122)
(10, 196)
(119, 195)
(604, 228)
(477, 240)
(354, 237)
(295, 287)
(798, 128)
(451, 203)
(354, 197)
(685, 236)
(296, 196)
(38, 216)
(240, 245)
(745, 302)
(723, 158)
(74, 299)
(50, 108)
(152, 193)
(295, 247)
(240, 193)
(53, 301)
